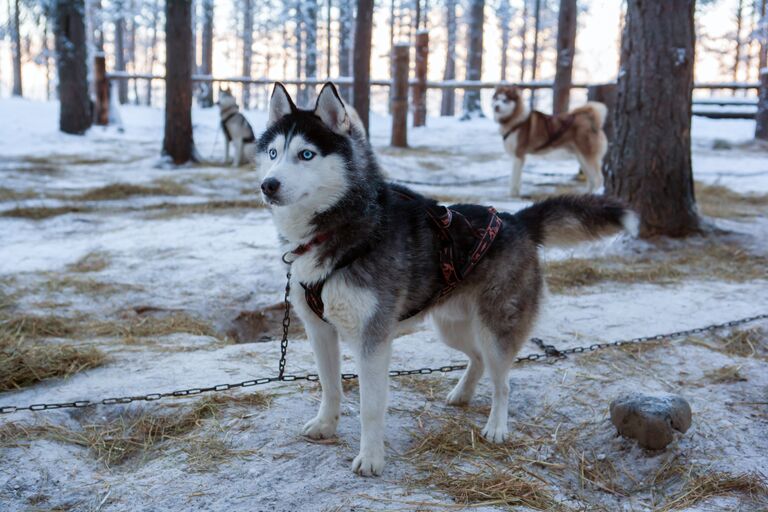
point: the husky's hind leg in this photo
(459, 335)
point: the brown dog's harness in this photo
(463, 240)
(555, 127)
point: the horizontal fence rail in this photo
(447, 84)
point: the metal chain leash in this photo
(550, 352)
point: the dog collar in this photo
(315, 241)
(512, 130)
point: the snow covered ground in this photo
(196, 241)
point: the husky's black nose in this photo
(270, 186)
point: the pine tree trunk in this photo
(504, 20)
(300, 54)
(153, 48)
(75, 115)
(328, 37)
(737, 55)
(206, 100)
(16, 42)
(523, 40)
(122, 84)
(762, 60)
(345, 45)
(535, 57)
(361, 62)
(472, 107)
(761, 119)
(132, 56)
(448, 101)
(178, 143)
(247, 50)
(649, 164)
(310, 65)
(566, 48)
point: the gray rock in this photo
(651, 420)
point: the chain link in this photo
(550, 352)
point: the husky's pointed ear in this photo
(280, 105)
(330, 109)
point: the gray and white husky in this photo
(236, 128)
(366, 251)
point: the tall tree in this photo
(649, 164)
(361, 61)
(472, 106)
(206, 68)
(177, 142)
(761, 118)
(119, 47)
(75, 114)
(763, 36)
(346, 27)
(504, 15)
(247, 50)
(16, 47)
(310, 64)
(523, 40)
(448, 100)
(153, 47)
(535, 57)
(566, 48)
(738, 42)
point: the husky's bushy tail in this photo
(596, 112)
(567, 220)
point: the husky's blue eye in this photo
(272, 153)
(306, 155)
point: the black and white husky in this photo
(368, 258)
(237, 130)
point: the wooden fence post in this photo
(605, 94)
(420, 88)
(761, 118)
(101, 110)
(400, 97)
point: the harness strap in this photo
(250, 138)
(442, 218)
(513, 129)
(555, 133)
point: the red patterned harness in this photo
(457, 259)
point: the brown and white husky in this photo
(580, 131)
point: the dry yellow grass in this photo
(712, 260)
(137, 433)
(722, 202)
(24, 361)
(115, 191)
(170, 210)
(748, 342)
(700, 486)
(42, 212)
(94, 261)
(10, 194)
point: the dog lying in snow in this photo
(236, 128)
(523, 132)
(369, 258)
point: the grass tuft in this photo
(42, 212)
(722, 202)
(116, 191)
(94, 261)
(25, 362)
(725, 375)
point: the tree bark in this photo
(153, 48)
(247, 50)
(523, 40)
(761, 119)
(206, 100)
(535, 57)
(361, 88)
(399, 97)
(737, 55)
(421, 54)
(16, 49)
(178, 143)
(472, 107)
(649, 164)
(345, 45)
(763, 58)
(122, 85)
(566, 49)
(448, 100)
(310, 64)
(505, 18)
(75, 115)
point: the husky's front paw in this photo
(320, 428)
(514, 192)
(495, 433)
(459, 396)
(369, 462)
